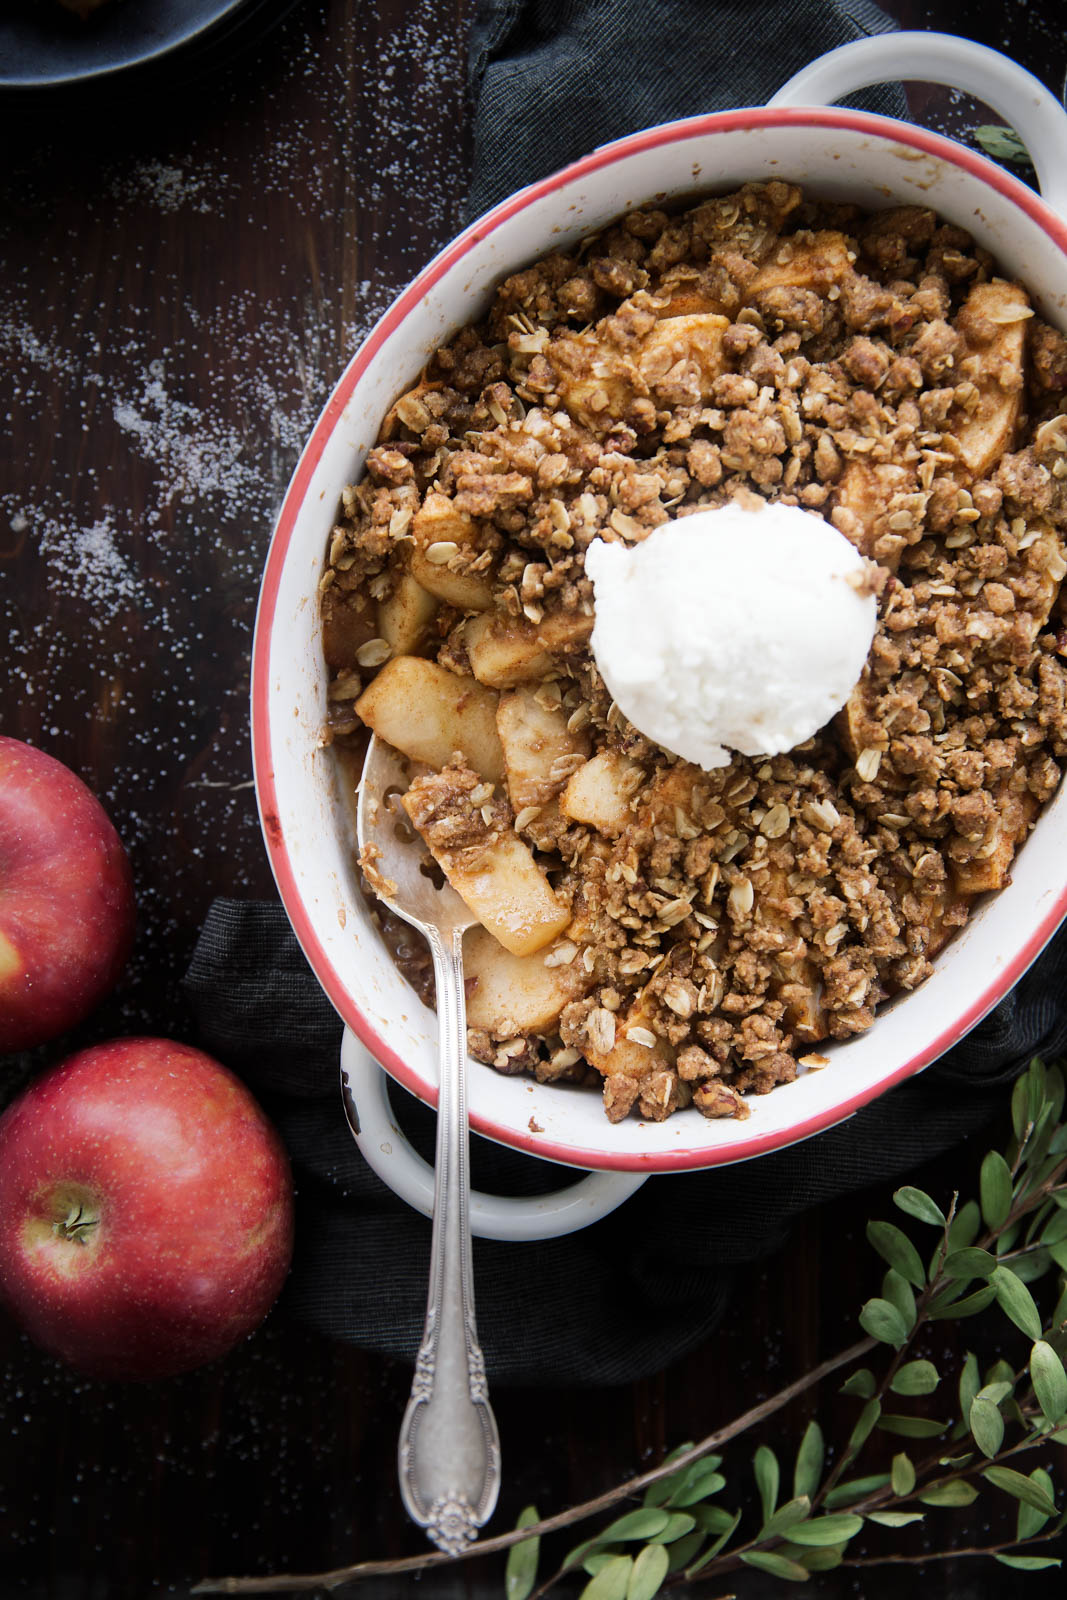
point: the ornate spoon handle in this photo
(449, 1454)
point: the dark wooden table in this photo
(186, 269)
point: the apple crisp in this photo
(686, 936)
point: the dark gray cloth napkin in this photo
(552, 79)
(619, 1299)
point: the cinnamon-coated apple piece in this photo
(992, 323)
(468, 834)
(540, 749)
(600, 792)
(444, 536)
(504, 651)
(509, 994)
(428, 713)
(405, 617)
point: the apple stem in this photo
(76, 1225)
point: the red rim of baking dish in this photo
(689, 1157)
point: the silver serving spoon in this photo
(449, 1455)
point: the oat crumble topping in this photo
(702, 931)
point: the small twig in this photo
(948, 1555)
(563, 1519)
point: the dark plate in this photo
(42, 46)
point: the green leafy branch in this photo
(984, 1256)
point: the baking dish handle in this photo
(388, 1151)
(1032, 110)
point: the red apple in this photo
(146, 1213)
(66, 898)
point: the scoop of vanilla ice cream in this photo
(732, 629)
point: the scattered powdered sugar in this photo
(165, 409)
(88, 561)
(196, 455)
(168, 187)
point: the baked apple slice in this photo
(599, 793)
(405, 617)
(445, 541)
(509, 994)
(428, 713)
(540, 751)
(504, 651)
(466, 830)
(992, 324)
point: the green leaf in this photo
(996, 1392)
(786, 1516)
(520, 1574)
(598, 1559)
(1033, 1265)
(1029, 1563)
(713, 1519)
(826, 1530)
(951, 1492)
(1003, 144)
(777, 1566)
(968, 1307)
(1016, 1302)
(642, 1524)
(969, 1262)
(1058, 1252)
(676, 1527)
(1020, 1109)
(649, 1571)
(916, 1377)
(1059, 1316)
(894, 1247)
(894, 1519)
(995, 1190)
(698, 1486)
(612, 1581)
(765, 1468)
(970, 1382)
(864, 1425)
(658, 1493)
(899, 1292)
(987, 1426)
(1050, 1381)
(913, 1427)
(919, 1205)
(883, 1321)
(820, 1558)
(1009, 1238)
(809, 1464)
(861, 1383)
(902, 1475)
(1024, 1489)
(682, 1551)
(965, 1225)
(579, 1553)
(1030, 1521)
(1055, 1228)
(1035, 1076)
(713, 1550)
(847, 1494)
